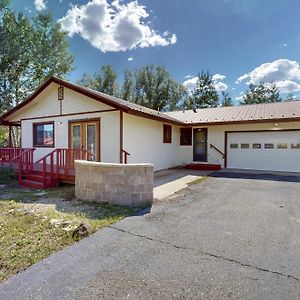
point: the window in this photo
(245, 146)
(43, 134)
(256, 146)
(269, 146)
(282, 146)
(234, 146)
(186, 136)
(295, 146)
(167, 138)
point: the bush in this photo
(7, 175)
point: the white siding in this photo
(216, 136)
(109, 134)
(143, 139)
(46, 104)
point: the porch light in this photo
(61, 93)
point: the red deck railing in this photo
(61, 161)
(24, 161)
(8, 154)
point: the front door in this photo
(200, 144)
(85, 135)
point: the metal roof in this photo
(240, 114)
(266, 112)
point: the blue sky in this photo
(239, 41)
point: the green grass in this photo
(26, 233)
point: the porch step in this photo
(203, 167)
(33, 184)
(39, 178)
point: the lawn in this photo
(35, 224)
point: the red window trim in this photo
(167, 134)
(34, 134)
(183, 131)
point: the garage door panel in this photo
(264, 159)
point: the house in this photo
(62, 121)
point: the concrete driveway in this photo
(235, 238)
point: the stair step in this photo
(203, 167)
(37, 185)
(32, 184)
(39, 178)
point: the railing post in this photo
(57, 162)
(44, 171)
(20, 171)
(51, 167)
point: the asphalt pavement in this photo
(227, 237)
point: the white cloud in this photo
(190, 83)
(40, 5)
(130, 58)
(287, 86)
(114, 26)
(218, 77)
(282, 72)
(283, 45)
(221, 86)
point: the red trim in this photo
(71, 114)
(121, 136)
(167, 134)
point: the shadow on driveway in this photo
(257, 175)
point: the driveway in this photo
(235, 238)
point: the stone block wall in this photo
(118, 184)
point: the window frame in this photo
(167, 134)
(189, 131)
(34, 126)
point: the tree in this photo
(105, 82)
(153, 87)
(204, 94)
(290, 96)
(31, 51)
(50, 49)
(261, 93)
(227, 100)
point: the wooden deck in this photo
(65, 175)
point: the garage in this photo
(276, 150)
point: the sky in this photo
(238, 41)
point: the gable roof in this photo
(114, 102)
(266, 112)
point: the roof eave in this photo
(275, 120)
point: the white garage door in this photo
(270, 150)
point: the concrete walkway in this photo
(168, 182)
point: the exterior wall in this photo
(109, 134)
(216, 137)
(119, 184)
(48, 105)
(143, 139)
